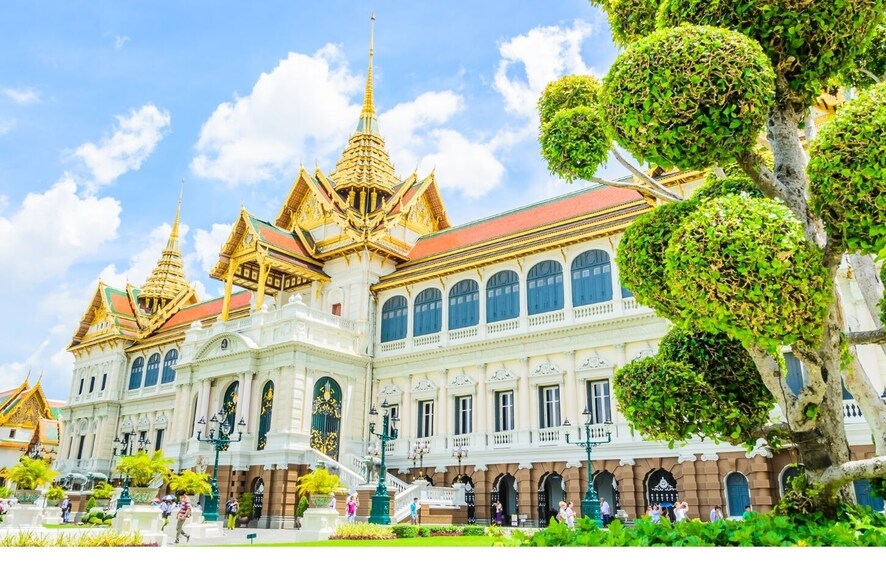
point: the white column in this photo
(483, 406)
(616, 284)
(524, 409)
(408, 421)
(444, 416)
(567, 287)
(571, 407)
(203, 405)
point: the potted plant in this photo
(246, 508)
(54, 495)
(321, 486)
(144, 468)
(191, 482)
(103, 492)
(29, 475)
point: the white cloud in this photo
(120, 41)
(22, 96)
(401, 124)
(134, 139)
(546, 53)
(302, 107)
(54, 229)
(207, 244)
(464, 165)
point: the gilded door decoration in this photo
(264, 415)
(326, 417)
(229, 407)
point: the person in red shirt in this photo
(184, 512)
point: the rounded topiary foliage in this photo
(732, 376)
(807, 41)
(743, 266)
(664, 400)
(574, 143)
(873, 60)
(715, 187)
(847, 173)
(689, 96)
(640, 257)
(629, 20)
(566, 93)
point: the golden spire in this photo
(365, 164)
(167, 280)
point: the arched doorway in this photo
(470, 497)
(258, 497)
(607, 487)
(505, 491)
(326, 417)
(787, 475)
(551, 490)
(661, 489)
(737, 494)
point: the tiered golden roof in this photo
(167, 280)
(365, 176)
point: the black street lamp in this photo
(219, 437)
(126, 445)
(459, 452)
(590, 504)
(381, 513)
(419, 449)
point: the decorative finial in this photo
(367, 115)
(173, 235)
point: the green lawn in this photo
(436, 541)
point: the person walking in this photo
(605, 512)
(656, 514)
(65, 507)
(184, 512)
(231, 508)
(570, 515)
(166, 506)
(413, 510)
(352, 506)
(499, 514)
(681, 510)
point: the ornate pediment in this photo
(594, 362)
(501, 375)
(648, 352)
(390, 390)
(547, 368)
(225, 344)
(424, 385)
(421, 217)
(27, 414)
(310, 213)
(461, 381)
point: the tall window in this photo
(503, 296)
(425, 418)
(142, 438)
(544, 287)
(598, 401)
(464, 415)
(91, 383)
(393, 319)
(265, 412)
(795, 373)
(592, 278)
(549, 406)
(464, 305)
(80, 447)
(135, 377)
(153, 370)
(428, 312)
(168, 363)
(504, 410)
(104, 381)
(158, 440)
(80, 389)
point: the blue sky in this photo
(106, 106)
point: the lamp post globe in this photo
(381, 501)
(595, 434)
(218, 437)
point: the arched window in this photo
(153, 370)
(428, 312)
(168, 362)
(135, 377)
(393, 319)
(592, 278)
(544, 287)
(737, 495)
(326, 417)
(229, 406)
(264, 414)
(464, 305)
(503, 296)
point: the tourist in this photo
(352, 506)
(716, 513)
(413, 510)
(499, 514)
(166, 507)
(681, 510)
(570, 515)
(605, 512)
(231, 508)
(184, 512)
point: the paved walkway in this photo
(238, 536)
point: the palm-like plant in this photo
(31, 474)
(103, 491)
(143, 467)
(55, 493)
(191, 482)
(320, 481)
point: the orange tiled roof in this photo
(538, 215)
(284, 240)
(206, 309)
(120, 302)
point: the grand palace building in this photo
(482, 339)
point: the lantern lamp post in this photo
(219, 437)
(460, 452)
(595, 434)
(125, 448)
(381, 513)
(419, 449)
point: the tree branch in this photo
(665, 194)
(764, 178)
(870, 74)
(868, 337)
(641, 188)
(838, 475)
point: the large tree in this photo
(747, 267)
